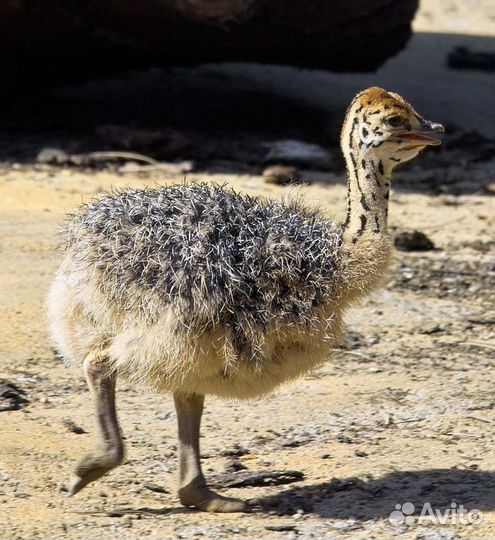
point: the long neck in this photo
(365, 239)
(368, 193)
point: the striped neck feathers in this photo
(368, 184)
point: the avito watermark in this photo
(457, 514)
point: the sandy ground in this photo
(404, 413)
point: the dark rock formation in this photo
(48, 41)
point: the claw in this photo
(91, 467)
(208, 501)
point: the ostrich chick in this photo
(195, 289)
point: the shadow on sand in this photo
(372, 499)
(377, 498)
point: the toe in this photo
(225, 504)
(91, 467)
(75, 484)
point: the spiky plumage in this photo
(218, 257)
(197, 287)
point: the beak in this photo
(422, 134)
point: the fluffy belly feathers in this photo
(167, 356)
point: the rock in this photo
(234, 465)
(261, 478)
(281, 527)
(353, 340)
(375, 370)
(72, 426)
(11, 396)
(301, 153)
(52, 155)
(237, 450)
(281, 175)
(430, 328)
(413, 241)
(51, 42)
(291, 443)
(155, 487)
(463, 58)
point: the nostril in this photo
(432, 126)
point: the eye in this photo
(394, 121)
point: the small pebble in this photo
(72, 426)
(413, 241)
(155, 487)
(234, 465)
(290, 443)
(375, 370)
(281, 527)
